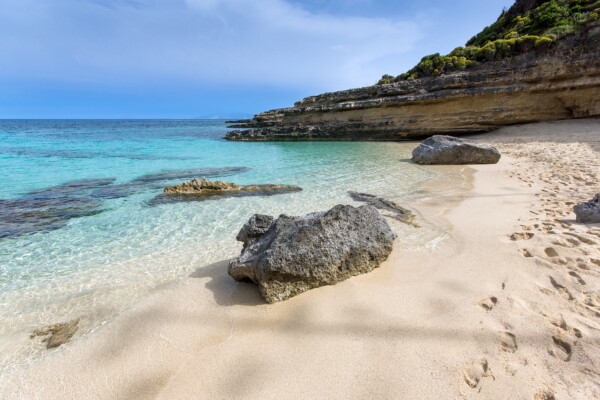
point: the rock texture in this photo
(440, 149)
(58, 334)
(289, 255)
(521, 90)
(203, 188)
(588, 212)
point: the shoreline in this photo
(420, 325)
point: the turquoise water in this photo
(89, 248)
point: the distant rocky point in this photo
(540, 61)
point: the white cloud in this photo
(264, 42)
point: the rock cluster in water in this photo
(441, 149)
(588, 212)
(289, 255)
(51, 208)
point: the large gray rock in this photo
(295, 254)
(588, 212)
(440, 149)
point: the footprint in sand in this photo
(544, 394)
(488, 303)
(526, 253)
(521, 236)
(559, 321)
(581, 238)
(478, 370)
(576, 276)
(507, 342)
(562, 348)
(582, 265)
(563, 291)
(551, 252)
(569, 243)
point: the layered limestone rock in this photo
(199, 189)
(525, 89)
(204, 186)
(290, 255)
(441, 149)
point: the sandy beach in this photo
(509, 307)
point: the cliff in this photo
(532, 84)
(478, 100)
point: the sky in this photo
(212, 58)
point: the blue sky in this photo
(212, 58)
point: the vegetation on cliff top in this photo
(527, 25)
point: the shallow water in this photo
(79, 238)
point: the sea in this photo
(82, 234)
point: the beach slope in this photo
(509, 307)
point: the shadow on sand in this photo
(228, 292)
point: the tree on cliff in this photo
(529, 25)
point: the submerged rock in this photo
(441, 149)
(203, 188)
(397, 211)
(190, 173)
(588, 212)
(58, 334)
(291, 255)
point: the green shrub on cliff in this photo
(529, 25)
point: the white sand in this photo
(421, 326)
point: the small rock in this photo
(588, 212)
(295, 254)
(58, 334)
(440, 149)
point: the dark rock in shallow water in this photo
(441, 149)
(190, 173)
(397, 212)
(51, 208)
(57, 335)
(71, 188)
(588, 212)
(203, 189)
(295, 254)
(24, 216)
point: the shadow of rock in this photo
(228, 292)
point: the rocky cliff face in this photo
(525, 89)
